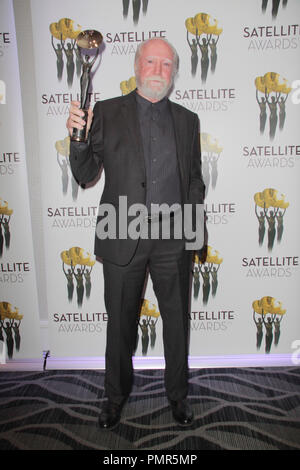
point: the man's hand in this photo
(75, 118)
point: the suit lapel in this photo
(129, 111)
(180, 136)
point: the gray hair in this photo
(175, 54)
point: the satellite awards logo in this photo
(147, 326)
(270, 207)
(208, 270)
(207, 34)
(10, 321)
(77, 265)
(5, 215)
(272, 93)
(65, 32)
(268, 313)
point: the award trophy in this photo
(89, 39)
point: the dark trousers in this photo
(169, 266)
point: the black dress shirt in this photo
(158, 137)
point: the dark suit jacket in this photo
(115, 142)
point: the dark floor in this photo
(235, 409)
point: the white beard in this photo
(150, 92)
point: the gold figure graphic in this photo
(136, 6)
(5, 215)
(10, 321)
(59, 58)
(79, 267)
(208, 269)
(210, 155)
(194, 52)
(267, 312)
(65, 29)
(127, 86)
(263, 112)
(275, 6)
(273, 207)
(272, 88)
(147, 325)
(207, 34)
(62, 148)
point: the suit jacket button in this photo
(143, 184)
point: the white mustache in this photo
(157, 79)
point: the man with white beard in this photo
(149, 149)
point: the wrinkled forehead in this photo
(158, 49)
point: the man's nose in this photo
(158, 67)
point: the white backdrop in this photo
(19, 315)
(245, 280)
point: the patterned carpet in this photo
(235, 409)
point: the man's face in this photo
(154, 70)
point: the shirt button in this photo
(153, 182)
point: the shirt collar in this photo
(144, 103)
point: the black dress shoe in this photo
(182, 412)
(110, 415)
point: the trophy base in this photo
(79, 135)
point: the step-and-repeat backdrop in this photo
(239, 71)
(19, 314)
